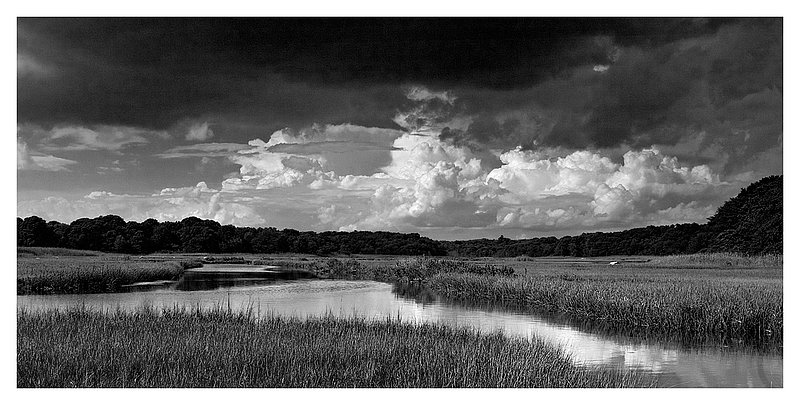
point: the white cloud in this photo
(309, 158)
(203, 203)
(343, 149)
(613, 202)
(196, 191)
(199, 132)
(101, 137)
(565, 217)
(683, 212)
(432, 112)
(51, 163)
(172, 204)
(203, 150)
(97, 195)
(28, 66)
(336, 215)
(422, 93)
(335, 133)
(29, 160)
(429, 182)
(357, 133)
(530, 175)
(261, 169)
(24, 160)
(651, 169)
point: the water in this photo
(674, 366)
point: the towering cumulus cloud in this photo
(428, 182)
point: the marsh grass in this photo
(192, 348)
(706, 299)
(687, 309)
(717, 299)
(692, 299)
(407, 269)
(50, 251)
(54, 275)
(718, 260)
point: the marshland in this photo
(216, 348)
(691, 320)
(421, 201)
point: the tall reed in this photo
(718, 260)
(51, 275)
(688, 309)
(180, 348)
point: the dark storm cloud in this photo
(354, 49)
(162, 74)
(640, 91)
(720, 89)
(290, 72)
(727, 88)
(567, 83)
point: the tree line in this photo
(750, 223)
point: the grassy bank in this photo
(720, 299)
(80, 348)
(407, 269)
(685, 308)
(49, 251)
(694, 299)
(72, 275)
(717, 260)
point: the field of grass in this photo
(77, 274)
(405, 269)
(717, 260)
(719, 299)
(47, 251)
(703, 308)
(179, 348)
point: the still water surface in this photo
(674, 366)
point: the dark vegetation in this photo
(725, 306)
(406, 270)
(179, 348)
(683, 308)
(716, 299)
(111, 233)
(79, 275)
(750, 223)
(50, 251)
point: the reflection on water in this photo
(673, 365)
(217, 276)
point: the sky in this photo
(451, 128)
